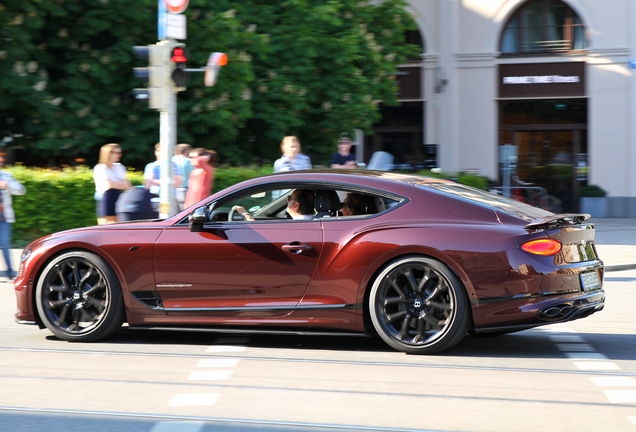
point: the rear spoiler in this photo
(558, 220)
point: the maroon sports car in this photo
(422, 263)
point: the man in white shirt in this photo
(300, 204)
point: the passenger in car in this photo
(351, 205)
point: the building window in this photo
(543, 26)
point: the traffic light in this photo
(179, 56)
(158, 91)
(213, 68)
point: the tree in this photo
(314, 69)
(319, 69)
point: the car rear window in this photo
(493, 200)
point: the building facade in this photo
(548, 80)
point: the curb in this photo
(620, 267)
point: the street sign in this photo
(175, 26)
(176, 6)
(212, 69)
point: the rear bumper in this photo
(542, 311)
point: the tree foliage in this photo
(314, 69)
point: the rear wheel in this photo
(417, 305)
(79, 297)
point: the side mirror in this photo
(197, 218)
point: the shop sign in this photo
(542, 80)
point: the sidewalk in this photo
(615, 243)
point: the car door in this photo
(236, 269)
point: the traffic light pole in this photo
(167, 139)
(167, 75)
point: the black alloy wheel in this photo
(79, 297)
(418, 306)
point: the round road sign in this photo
(176, 6)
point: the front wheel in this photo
(79, 297)
(418, 306)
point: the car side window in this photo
(252, 206)
(353, 204)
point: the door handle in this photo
(296, 247)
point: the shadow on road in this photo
(524, 344)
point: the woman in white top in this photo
(110, 179)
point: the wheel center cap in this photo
(76, 296)
(417, 303)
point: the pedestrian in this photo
(8, 186)
(182, 159)
(292, 158)
(202, 175)
(110, 179)
(344, 158)
(152, 177)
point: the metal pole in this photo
(168, 138)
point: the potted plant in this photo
(593, 200)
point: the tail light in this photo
(545, 247)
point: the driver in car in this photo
(300, 206)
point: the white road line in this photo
(557, 328)
(597, 365)
(218, 363)
(210, 375)
(621, 396)
(178, 426)
(613, 381)
(225, 348)
(575, 347)
(586, 356)
(194, 399)
(633, 419)
(566, 338)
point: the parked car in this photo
(424, 262)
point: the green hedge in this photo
(63, 199)
(58, 200)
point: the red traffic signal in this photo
(180, 55)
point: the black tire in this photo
(418, 306)
(79, 297)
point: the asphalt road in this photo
(577, 376)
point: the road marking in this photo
(560, 328)
(614, 381)
(194, 399)
(210, 375)
(575, 347)
(586, 356)
(596, 365)
(225, 348)
(178, 426)
(633, 419)
(621, 396)
(218, 363)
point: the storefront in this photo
(543, 112)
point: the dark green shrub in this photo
(474, 180)
(55, 200)
(592, 191)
